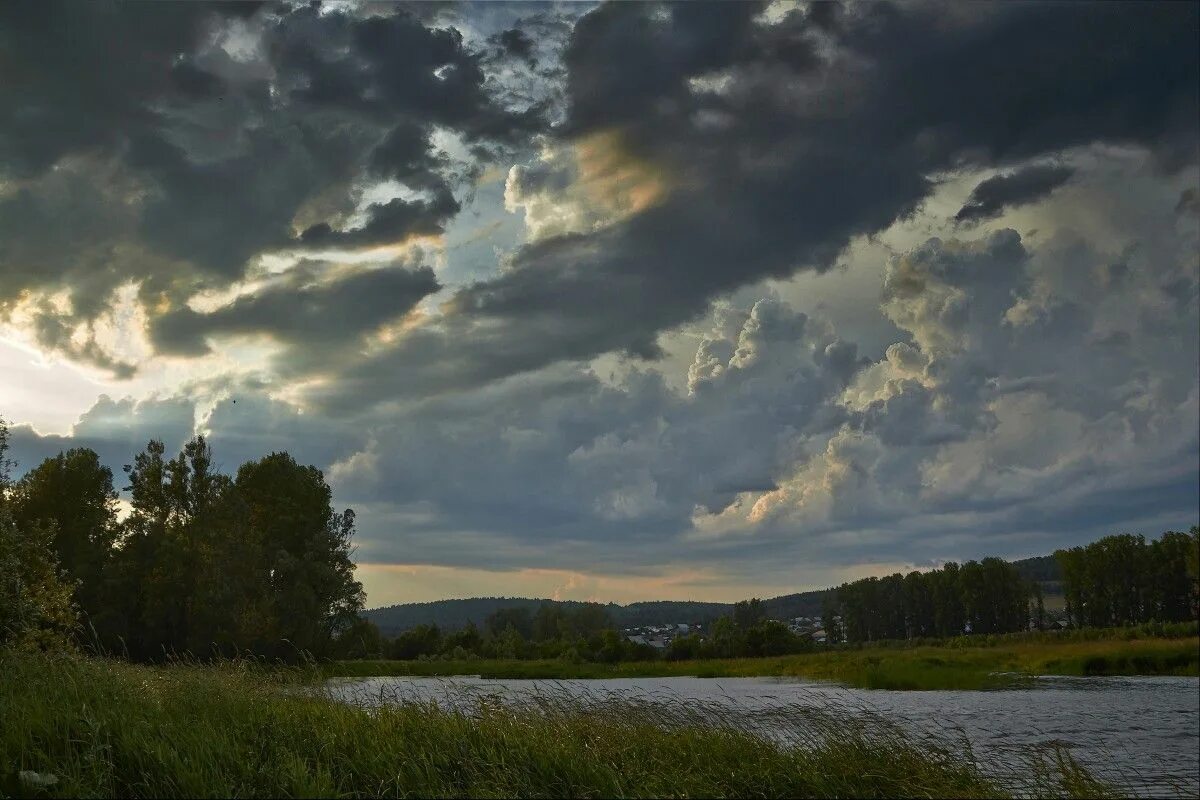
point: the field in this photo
(962, 666)
(75, 727)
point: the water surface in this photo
(1140, 733)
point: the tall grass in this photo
(75, 727)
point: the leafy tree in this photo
(772, 638)
(6, 463)
(748, 613)
(831, 613)
(589, 619)
(360, 640)
(36, 612)
(1123, 580)
(685, 648)
(72, 495)
(515, 618)
(509, 643)
(423, 640)
(466, 639)
(305, 550)
(549, 623)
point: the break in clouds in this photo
(740, 288)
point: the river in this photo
(1142, 734)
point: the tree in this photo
(772, 638)
(1192, 568)
(423, 640)
(72, 494)
(549, 623)
(590, 619)
(684, 648)
(831, 618)
(1039, 610)
(305, 550)
(6, 464)
(360, 640)
(748, 613)
(36, 612)
(465, 640)
(502, 619)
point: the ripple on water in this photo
(1140, 734)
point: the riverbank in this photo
(930, 667)
(77, 727)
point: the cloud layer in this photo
(255, 201)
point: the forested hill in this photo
(455, 614)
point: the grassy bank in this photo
(959, 667)
(114, 730)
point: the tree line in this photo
(203, 562)
(1115, 581)
(1125, 580)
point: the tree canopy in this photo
(204, 563)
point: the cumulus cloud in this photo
(1041, 383)
(825, 132)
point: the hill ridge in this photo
(457, 613)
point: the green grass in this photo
(886, 667)
(110, 729)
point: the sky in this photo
(623, 301)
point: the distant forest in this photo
(452, 615)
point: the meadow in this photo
(965, 663)
(75, 727)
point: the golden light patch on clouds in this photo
(615, 179)
(586, 186)
(121, 330)
(388, 584)
(117, 333)
(732, 520)
(389, 333)
(492, 174)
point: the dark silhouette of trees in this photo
(204, 563)
(987, 596)
(1125, 580)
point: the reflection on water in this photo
(1141, 734)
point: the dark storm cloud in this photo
(1189, 202)
(213, 133)
(68, 88)
(1000, 192)
(389, 222)
(313, 318)
(518, 44)
(816, 130)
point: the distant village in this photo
(661, 636)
